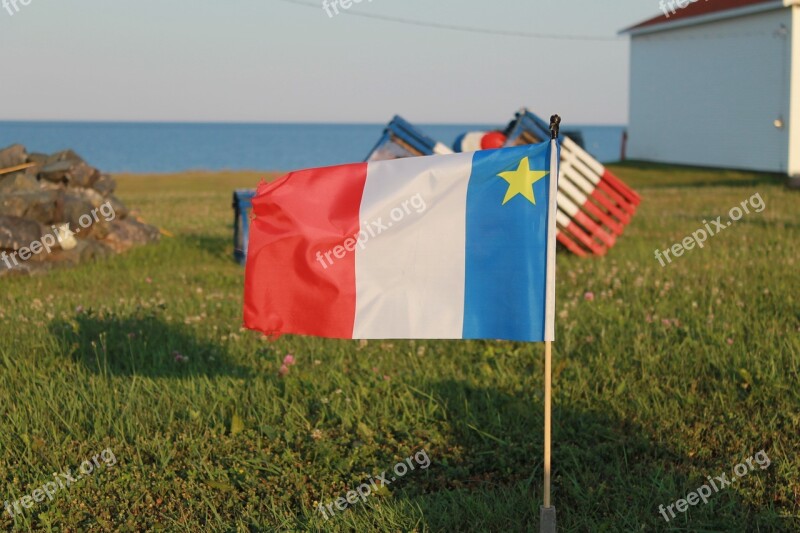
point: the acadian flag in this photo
(441, 247)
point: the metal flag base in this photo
(547, 522)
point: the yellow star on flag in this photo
(521, 181)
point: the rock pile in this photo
(56, 209)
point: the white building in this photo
(717, 83)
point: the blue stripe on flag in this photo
(506, 255)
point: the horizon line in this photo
(261, 123)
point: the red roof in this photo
(696, 9)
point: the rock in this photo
(96, 250)
(85, 210)
(65, 155)
(56, 172)
(33, 171)
(82, 175)
(68, 168)
(105, 184)
(85, 250)
(14, 205)
(126, 234)
(18, 181)
(50, 186)
(90, 195)
(77, 212)
(72, 173)
(39, 159)
(16, 232)
(96, 219)
(12, 156)
(24, 242)
(71, 256)
(35, 205)
(62, 208)
(120, 210)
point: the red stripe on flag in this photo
(288, 289)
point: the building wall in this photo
(710, 94)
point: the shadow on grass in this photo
(606, 471)
(140, 345)
(216, 247)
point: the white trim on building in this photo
(794, 119)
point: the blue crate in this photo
(242, 205)
(401, 139)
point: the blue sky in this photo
(271, 60)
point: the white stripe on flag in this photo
(410, 276)
(550, 298)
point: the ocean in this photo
(173, 147)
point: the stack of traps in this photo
(594, 206)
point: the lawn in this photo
(663, 376)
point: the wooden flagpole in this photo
(547, 522)
(548, 364)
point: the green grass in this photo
(669, 375)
